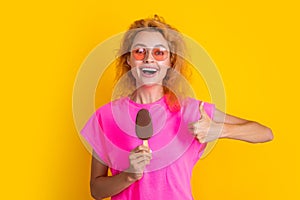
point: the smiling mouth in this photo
(149, 71)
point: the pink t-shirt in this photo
(111, 133)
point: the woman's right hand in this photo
(139, 157)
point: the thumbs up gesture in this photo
(205, 129)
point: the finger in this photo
(195, 131)
(191, 125)
(202, 140)
(143, 162)
(135, 156)
(140, 163)
(144, 148)
(203, 113)
(141, 148)
(138, 155)
(202, 106)
(141, 159)
(194, 125)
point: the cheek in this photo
(166, 64)
(164, 71)
(134, 73)
(133, 63)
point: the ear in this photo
(128, 61)
(172, 57)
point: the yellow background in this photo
(255, 45)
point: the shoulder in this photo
(192, 105)
(108, 107)
(192, 102)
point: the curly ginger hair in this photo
(173, 90)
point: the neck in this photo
(148, 94)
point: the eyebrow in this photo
(143, 45)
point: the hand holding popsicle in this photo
(139, 157)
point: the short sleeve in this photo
(93, 134)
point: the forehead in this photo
(149, 39)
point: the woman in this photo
(151, 65)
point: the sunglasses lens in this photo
(159, 54)
(139, 54)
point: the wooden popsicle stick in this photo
(145, 143)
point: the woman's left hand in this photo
(205, 129)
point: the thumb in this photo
(203, 114)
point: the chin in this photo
(150, 84)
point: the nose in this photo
(149, 58)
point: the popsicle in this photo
(143, 126)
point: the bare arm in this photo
(241, 129)
(103, 186)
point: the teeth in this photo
(146, 69)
